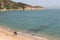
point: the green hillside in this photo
(8, 4)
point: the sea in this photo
(36, 22)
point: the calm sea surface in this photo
(37, 21)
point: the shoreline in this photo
(2, 10)
(30, 37)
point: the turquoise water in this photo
(37, 21)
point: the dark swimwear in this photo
(15, 33)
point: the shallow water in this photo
(36, 21)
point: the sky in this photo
(45, 3)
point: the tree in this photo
(7, 6)
(22, 5)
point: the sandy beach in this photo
(7, 34)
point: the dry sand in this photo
(6, 34)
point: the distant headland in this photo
(10, 5)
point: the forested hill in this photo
(8, 4)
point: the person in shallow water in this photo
(15, 33)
